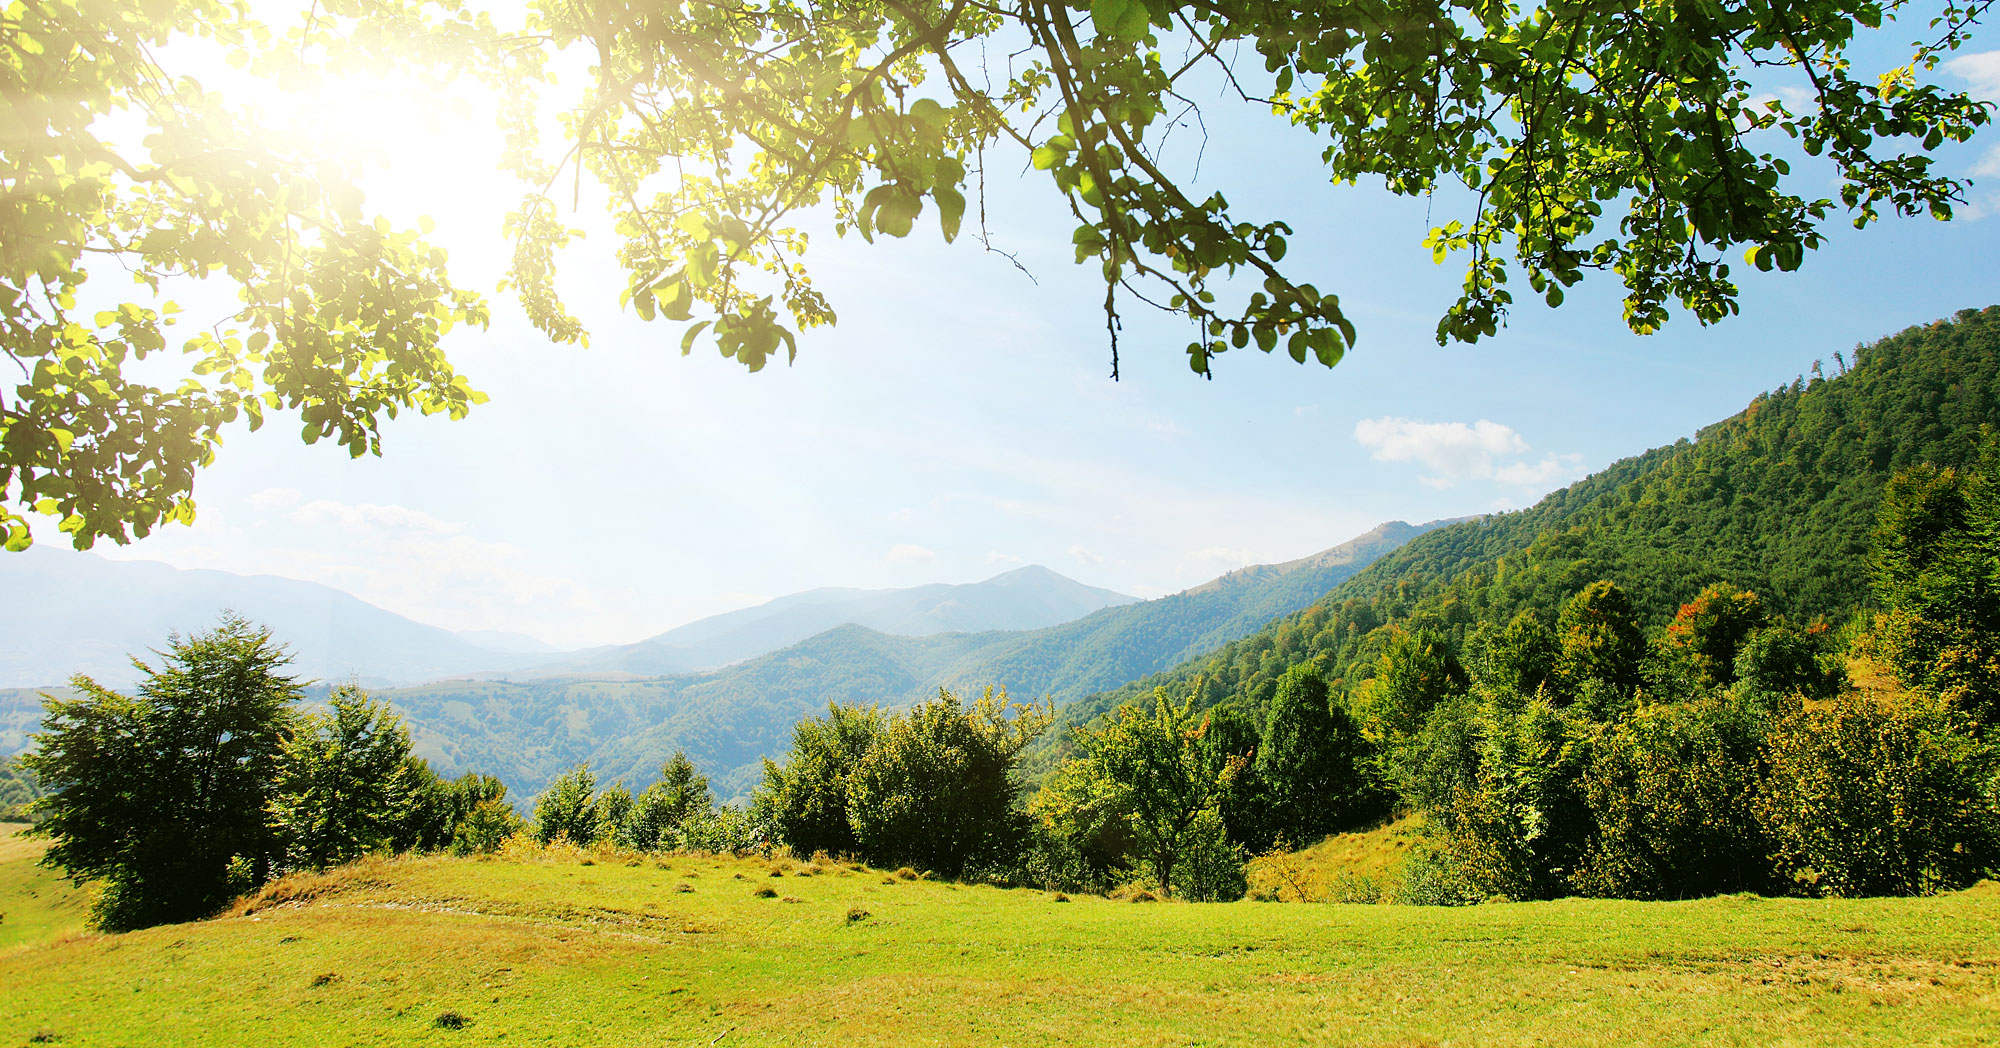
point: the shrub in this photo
(1523, 829)
(1671, 791)
(1430, 878)
(565, 811)
(1872, 798)
(937, 788)
(1211, 864)
(485, 828)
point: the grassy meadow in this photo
(577, 948)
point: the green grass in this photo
(36, 905)
(547, 950)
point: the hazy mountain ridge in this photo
(72, 612)
(1025, 598)
(527, 730)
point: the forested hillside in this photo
(729, 720)
(1779, 499)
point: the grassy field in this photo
(36, 905)
(549, 949)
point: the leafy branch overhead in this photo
(1626, 137)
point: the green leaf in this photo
(1120, 19)
(951, 210)
(687, 340)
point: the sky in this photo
(960, 420)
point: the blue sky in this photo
(960, 421)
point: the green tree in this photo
(1520, 658)
(1313, 763)
(337, 315)
(712, 125)
(662, 808)
(937, 789)
(1779, 661)
(1230, 744)
(805, 799)
(872, 110)
(567, 809)
(18, 790)
(1714, 626)
(1936, 544)
(165, 796)
(1148, 770)
(346, 786)
(1416, 671)
(1601, 642)
(610, 812)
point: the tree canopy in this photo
(1636, 140)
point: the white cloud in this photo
(1988, 165)
(370, 515)
(997, 557)
(1084, 555)
(908, 551)
(1981, 71)
(276, 498)
(1457, 452)
(1234, 558)
(1552, 469)
(1453, 450)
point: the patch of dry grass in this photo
(1340, 868)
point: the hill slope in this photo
(528, 731)
(541, 949)
(1779, 499)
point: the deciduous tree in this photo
(164, 796)
(1640, 141)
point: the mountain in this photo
(1780, 499)
(527, 731)
(1023, 599)
(71, 612)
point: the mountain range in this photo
(528, 730)
(89, 614)
(1023, 599)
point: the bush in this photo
(720, 831)
(1428, 877)
(937, 791)
(485, 828)
(1523, 829)
(1873, 798)
(565, 811)
(1672, 792)
(1212, 864)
